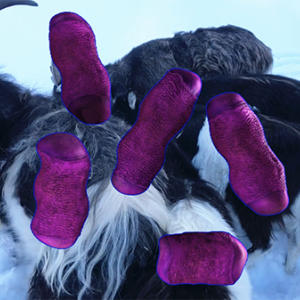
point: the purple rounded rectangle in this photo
(60, 190)
(162, 114)
(256, 175)
(85, 81)
(214, 258)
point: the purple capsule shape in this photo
(85, 81)
(256, 175)
(214, 258)
(60, 190)
(162, 114)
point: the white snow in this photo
(14, 275)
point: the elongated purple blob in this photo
(215, 258)
(256, 174)
(162, 114)
(60, 190)
(85, 81)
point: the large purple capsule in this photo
(215, 258)
(163, 113)
(60, 190)
(255, 173)
(85, 81)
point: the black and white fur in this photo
(283, 138)
(115, 257)
(276, 100)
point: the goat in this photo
(115, 256)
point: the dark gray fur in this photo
(227, 50)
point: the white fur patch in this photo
(30, 246)
(211, 165)
(131, 100)
(193, 215)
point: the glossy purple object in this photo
(60, 190)
(162, 114)
(85, 81)
(215, 258)
(256, 175)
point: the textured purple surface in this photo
(201, 258)
(85, 81)
(256, 175)
(60, 190)
(163, 113)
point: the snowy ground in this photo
(267, 275)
